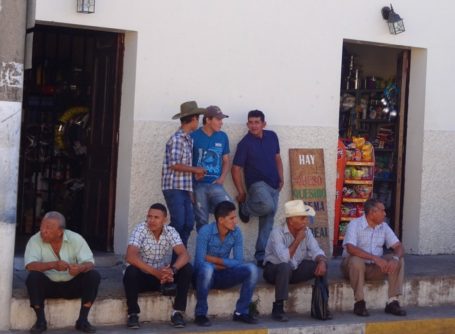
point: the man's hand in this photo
(280, 185)
(392, 266)
(219, 180)
(321, 268)
(199, 173)
(382, 264)
(300, 235)
(241, 197)
(75, 269)
(166, 275)
(61, 265)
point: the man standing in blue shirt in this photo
(176, 178)
(211, 152)
(258, 156)
(215, 269)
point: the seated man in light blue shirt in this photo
(364, 258)
(292, 255)
(61, 266)
(214, 269)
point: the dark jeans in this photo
(84, 286)
(281, 275)
(136, 281)
(181, 210)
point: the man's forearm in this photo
(237, 178)
(359, 252)
(86, 266)
(41, 266)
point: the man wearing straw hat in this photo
(176, 179)
(292, 254)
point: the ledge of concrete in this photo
(430, 281)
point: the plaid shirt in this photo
(179, 150)
(371, 240)
(156, 253)
(277, 249)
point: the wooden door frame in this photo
(401, 149)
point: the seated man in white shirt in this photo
(60, 265)
(292, 255)
(364, 259)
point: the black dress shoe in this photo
(278, 312)
(202, 320)
(85, 326)
(360, 309)
(38, 327)
(395, 309)
(246, 318)
(243, 217)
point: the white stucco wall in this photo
(283, 57)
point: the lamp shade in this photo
(394, 21)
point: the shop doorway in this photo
(69, 134)
(373, 106)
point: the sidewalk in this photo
(429, 282)
(428, 320)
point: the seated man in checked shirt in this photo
(364, 259)
(292, 255)
(149, 256)
(214, 269)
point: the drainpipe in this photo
(12, 45)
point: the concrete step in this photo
(420, 320)
(430, 281)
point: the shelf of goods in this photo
(355, 180)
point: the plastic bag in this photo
(320, 300)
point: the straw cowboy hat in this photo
(297, 208)
(189, 108)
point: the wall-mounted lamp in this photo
(86, 6)
(394, 20)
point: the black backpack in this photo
(320, 300)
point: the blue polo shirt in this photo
(257, 157)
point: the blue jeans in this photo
(208, 278)
(207, 196)
(262, 202)
(181, 210)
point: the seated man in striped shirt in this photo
(292, 255)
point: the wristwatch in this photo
(396, 258)
(174, 270)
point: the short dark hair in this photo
(159, 206)
(257, 113)
(371, 204)
(205, 118)
(223, 209)
(188, 119)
